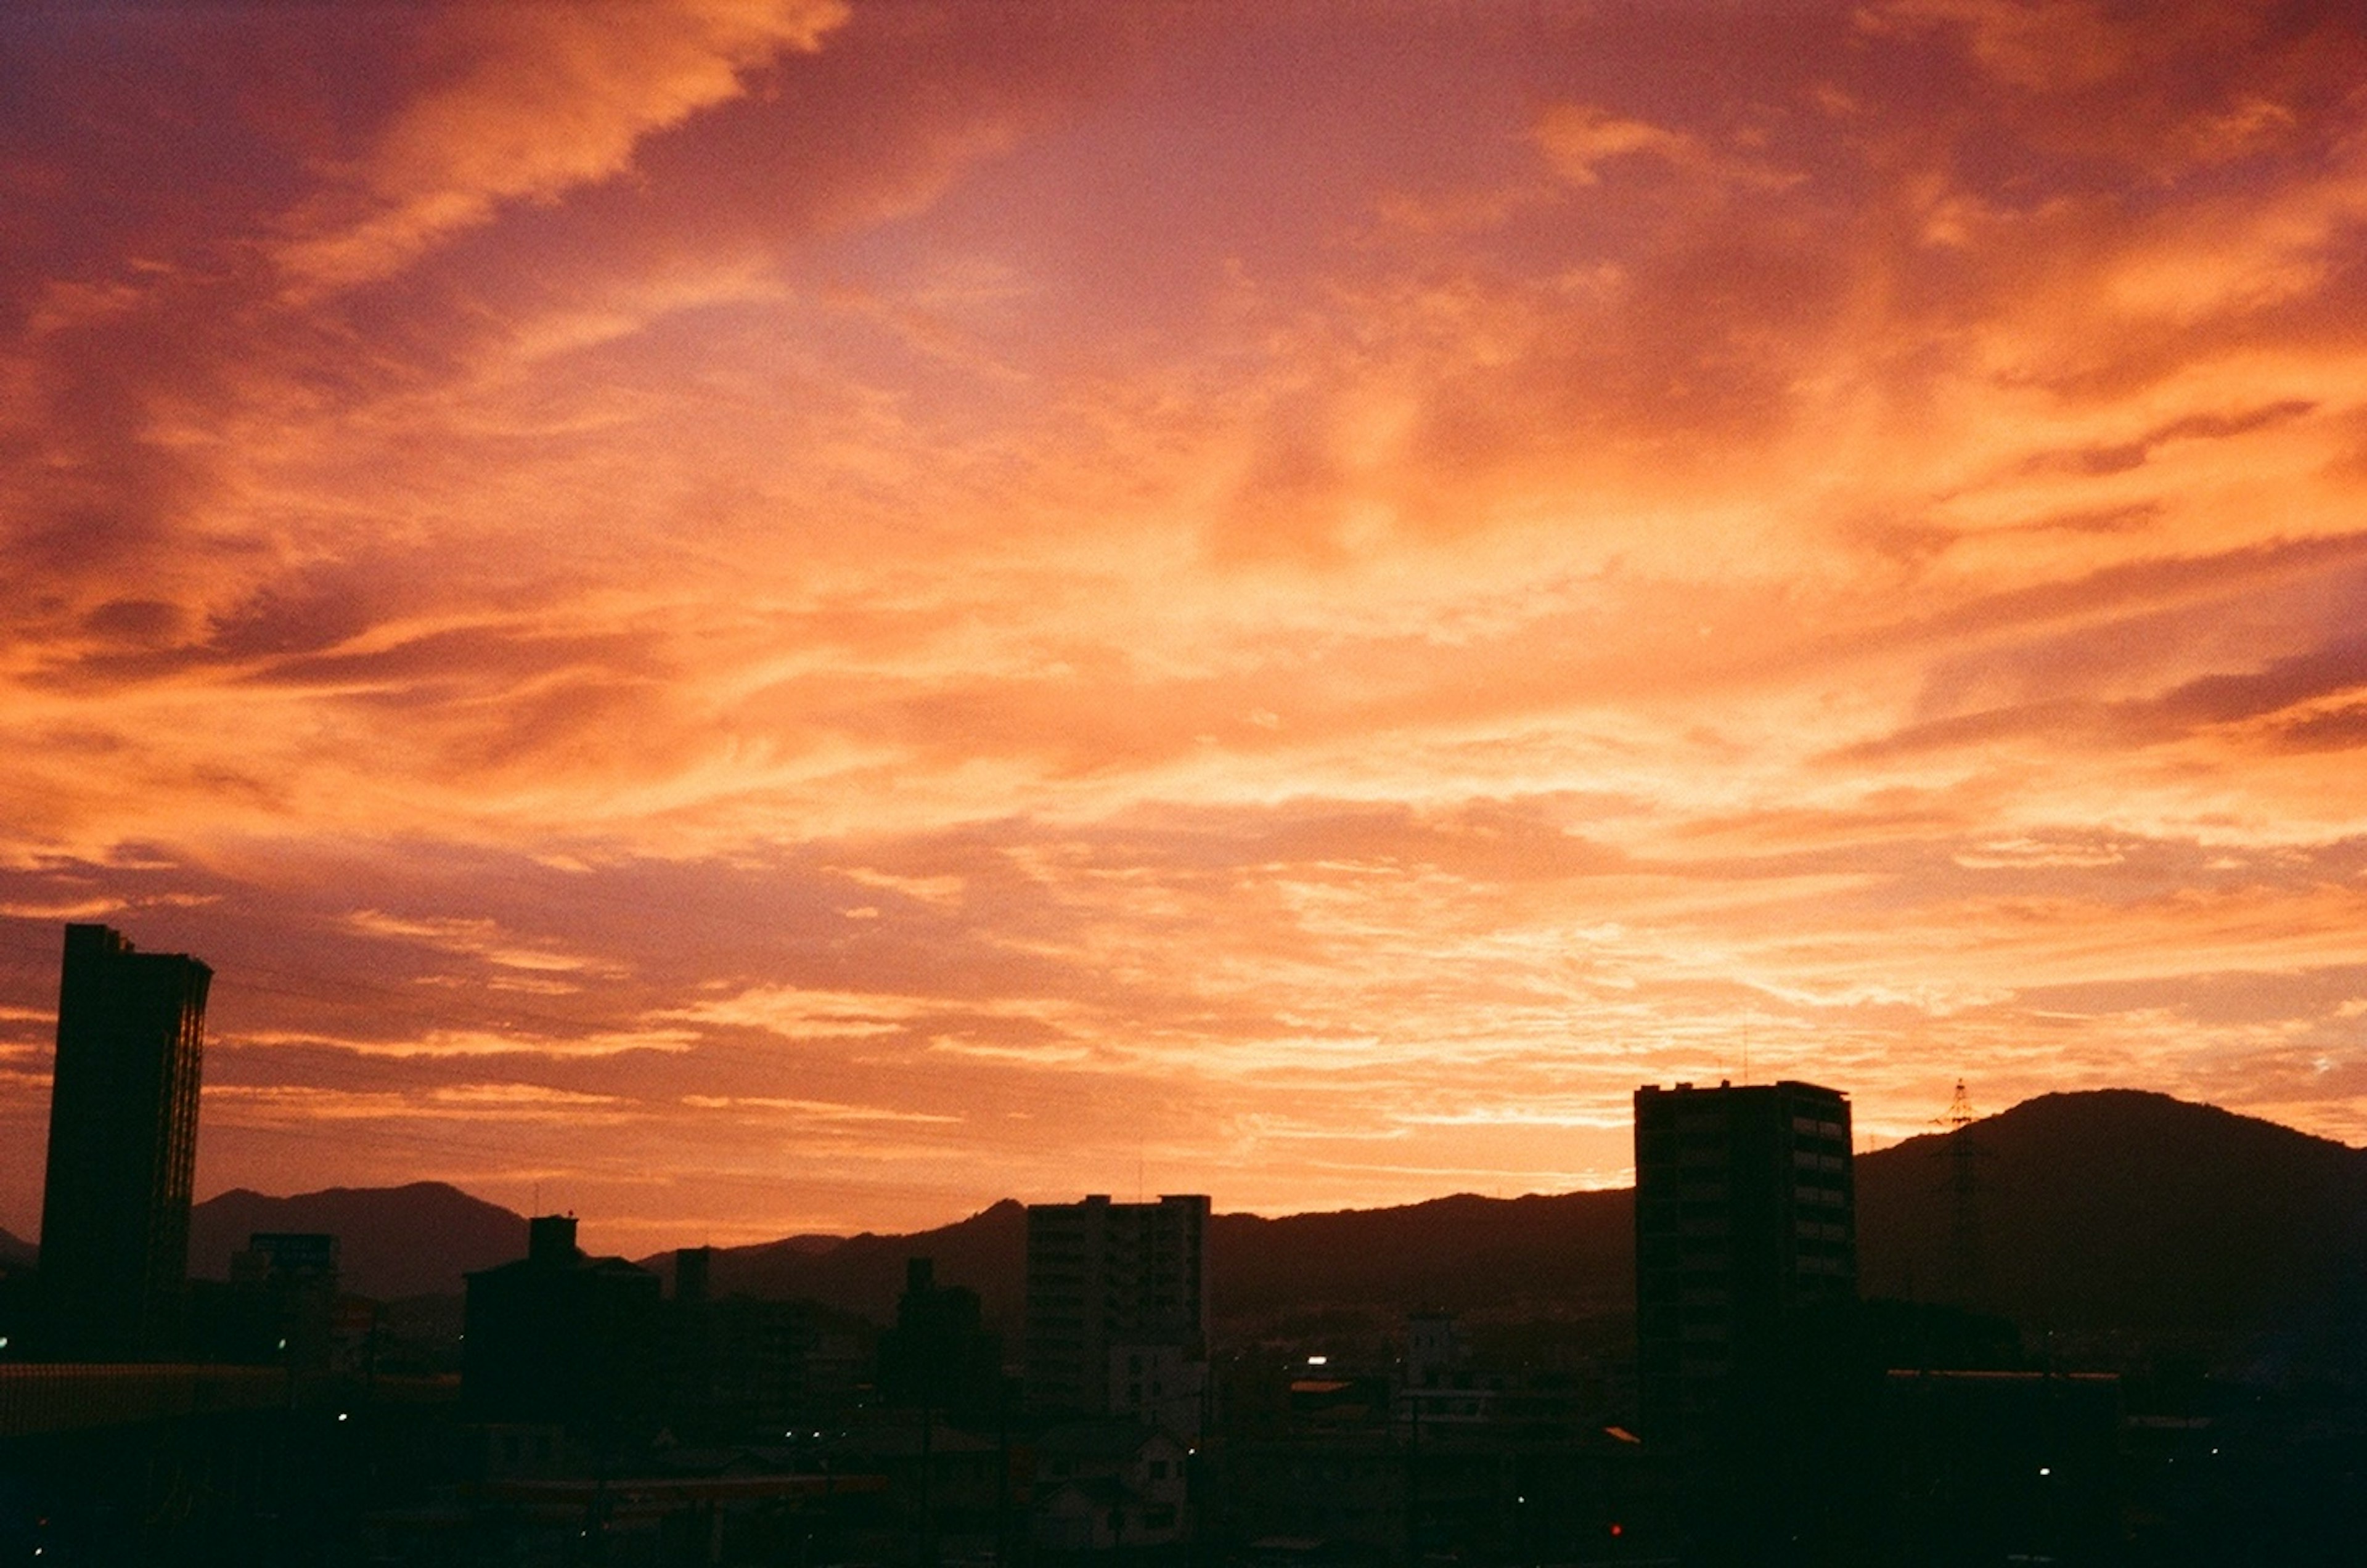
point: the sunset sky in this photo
(748, 617)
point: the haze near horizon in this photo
(768, 615)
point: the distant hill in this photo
(809, 1243)
(2112, 1208)
(2099, 1210)
(1574, 1252)
(2121, 1209)
(986, 1252)
(393, 1241)
(1460, 1253)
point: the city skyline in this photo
(759, 617)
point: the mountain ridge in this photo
(2097, 1209)
(2094, 1209)
(416, 1239)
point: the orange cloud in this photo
(1579, 139)
(923, 602)
(541, 99)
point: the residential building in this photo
(1110, 1485)
(1161, 1384)
(734, 1368)
(1108, 1285)
(1745, 1221)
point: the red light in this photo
(1618, 1529)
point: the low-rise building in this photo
(1106, 1485)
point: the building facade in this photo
(1745, 1221)
(1108, 1284)
(123, 1149)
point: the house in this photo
(1107, 1485)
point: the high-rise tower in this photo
(123, 1147)
(1745, 1217)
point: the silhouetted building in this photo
(1745, 1221)
(736, 1368)
(560, 1336)
(1107, 1283)
(281, 1305)
(939, 1356)
(123, 1149)
(294, 1257)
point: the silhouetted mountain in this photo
(986, 1252)
(809, 1243)
(15, 1252)
(1574, 1252)
(2106, 1209)
(1459, 1253)
(2121, 1209)
(393, 1241)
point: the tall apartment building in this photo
(1117, 1308)
(123, 1149)
(1745, 1217)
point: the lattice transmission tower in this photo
(1964, 1155)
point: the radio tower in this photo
(1963, 1158)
